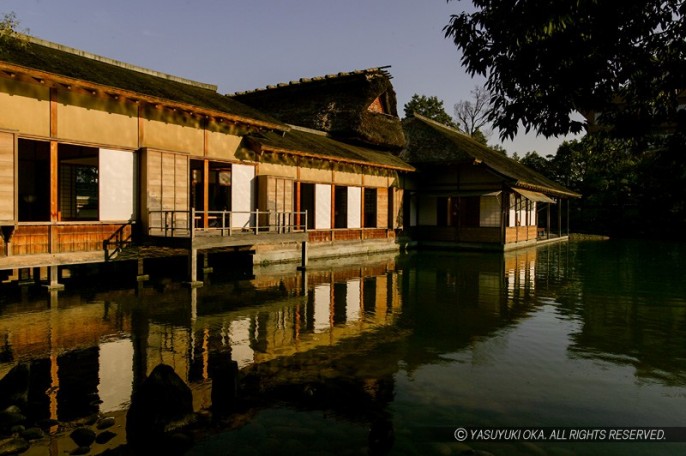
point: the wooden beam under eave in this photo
(206, 193)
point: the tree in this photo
(10, 33)
(546, 60)
(430, 107)
(472, 115)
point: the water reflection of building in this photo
(86, 354)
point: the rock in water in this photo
(14, 387)
(14, 445)
(160, 401)
(83, 437)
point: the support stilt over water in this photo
(303, 258)
(141, 276)
(193, 281)
(53, 279)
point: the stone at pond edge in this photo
(33, 433)
(14, 387)
(14, 445)
(105, 423)
(10, 419)
(83, 437)
(158, 404)
(105, 437)
(80, 450)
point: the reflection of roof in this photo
(78, 66)
(318, 145)
(432, 143)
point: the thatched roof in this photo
(50, 62)
(433, 144)
(299, 142)
(337, 104)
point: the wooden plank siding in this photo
(35, 239)
(382, 208)
(7, 182)
(520, 233)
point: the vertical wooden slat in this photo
(382, 208)
(54, 207)
(7, 180)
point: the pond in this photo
(372, 355)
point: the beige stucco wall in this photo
(27, 109)
(315, 175)
(222, 146)
(375, 181)
(343, 178)
(268, 169)
(83, 117)
(172, 131)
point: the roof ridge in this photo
(118, 63)
(380, 69)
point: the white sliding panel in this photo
(242, 194)
(118, 185)
(322, 205)
(354, 207)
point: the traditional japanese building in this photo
(467, 195)
(98, 156)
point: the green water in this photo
(383, 355)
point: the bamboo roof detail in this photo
(431, 143)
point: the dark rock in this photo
(105, 437)
(47, 423)
(17, 429)
(33, 433)
(106, 422)
(10, 419)
(83, 436)
(162, 402)
(88, 421)
(80, 450)
(14, 445)
(14, 387)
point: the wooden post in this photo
(569, 200)
(193, 281)
(53, 279)
(547, 228)
(141, 276)
(297, 204)
(559, 217)
(303, 256)
(206, 194)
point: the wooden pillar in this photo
(569, 201)
(559, 217)
(303, 256)
(547, 228)
(141, 276)
(53, 279)
(297, 204)
(206, 193)
(193, 281)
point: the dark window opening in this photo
(370, 200)
(341, 212)
(307, 203)
(33, 181)
(470, 209)
(78, 187)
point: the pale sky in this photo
(247, 44)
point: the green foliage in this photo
(10, 33)
(546, 60)
(430, 107)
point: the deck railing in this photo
(224, 223)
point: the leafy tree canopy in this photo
(430, 107)
(545, 60)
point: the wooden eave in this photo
(279, 150)
(545, 190)
(22, 73)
